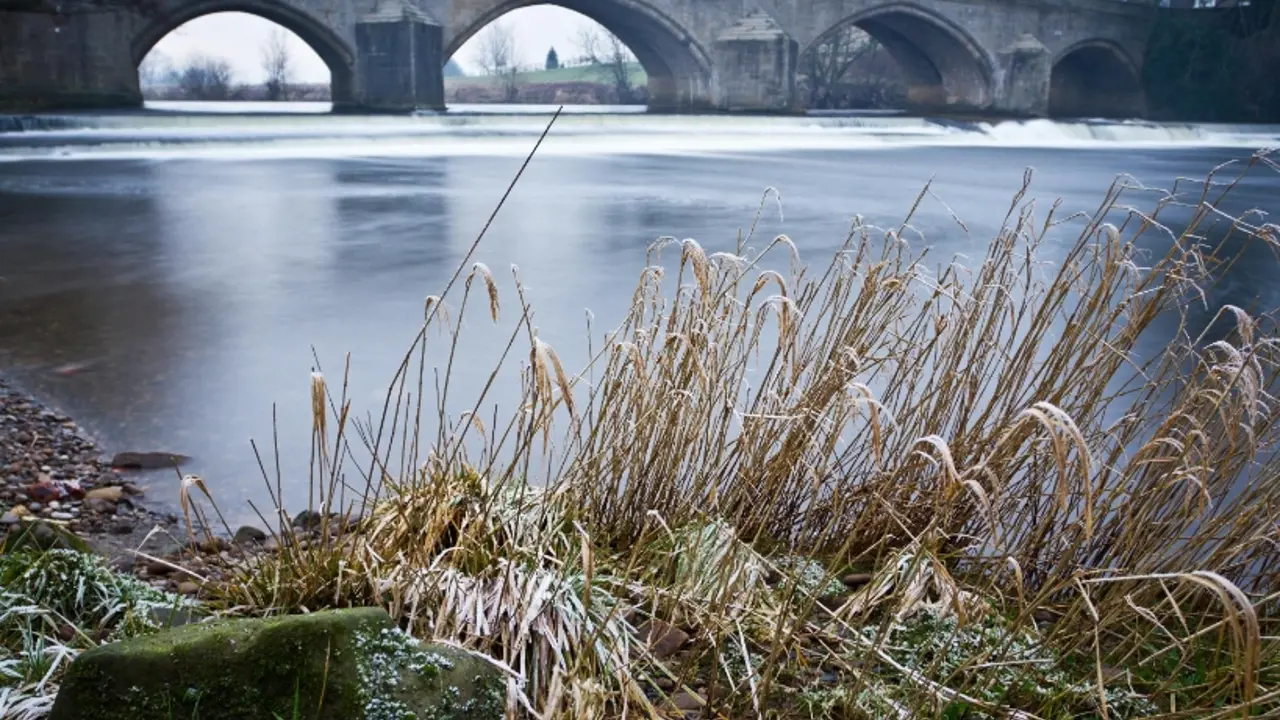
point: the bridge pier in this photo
(79, 62)
(1026, 65)
(755, 62)
(399, 63)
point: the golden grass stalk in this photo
(1049, 519)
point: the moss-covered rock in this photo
(332, 665)
(41, 535)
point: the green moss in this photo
(229, 669)
(332, 665)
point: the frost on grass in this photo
(1015, 665)
(45, 592)
(810, 576)
(384, 658)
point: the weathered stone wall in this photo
(955, 53)
(958, 55)
(84, 63)
(398, 62)
(756, 62)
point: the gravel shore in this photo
(52, 473)
(50, 470)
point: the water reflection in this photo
(201, 288)
(80, 290)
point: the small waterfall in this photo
(38, 123)
(244, 135)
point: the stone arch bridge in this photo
(992, 57)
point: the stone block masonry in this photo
(1024, 58)
(757, 61)
(399, 63)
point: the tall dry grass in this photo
(1048, 523)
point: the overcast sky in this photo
(238, 38)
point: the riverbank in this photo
(884, 485)
(53, 472)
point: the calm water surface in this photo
(194, 274)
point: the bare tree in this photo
(277, 65)
(846, 62)
(609, 56)
(205, 78)
(156, 70)
(497, 57)
(496, 50)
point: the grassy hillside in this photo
(561, 75)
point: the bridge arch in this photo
(678, 67)
(1095, 78)
(943, 65)
(320, 37)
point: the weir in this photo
(134, 136)
(1019, 58)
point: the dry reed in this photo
(1031, 519)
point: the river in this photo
(165, 277)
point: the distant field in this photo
(561, 75)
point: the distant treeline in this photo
(1220, 65)
(301, 92)
(582, 92)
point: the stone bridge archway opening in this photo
(1095, 79)
(308, 44)
(940, 66)
(678, 71)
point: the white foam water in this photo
(233, 134)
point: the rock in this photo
(34, 507)
(9, 519)
(248, 535)
(856, 580)
(187, 587)
(61, 516)
(66, 632)
(834, 601)
(172, 617)
(147, 460)
(214, 546)
(685, 701)
(73, 368)
(44, 492)
(308, 520)
(339, 664)
(113, 493)
(99, 505)
(45, 536)
(158, 569)
(665, 684)
(663, 638)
